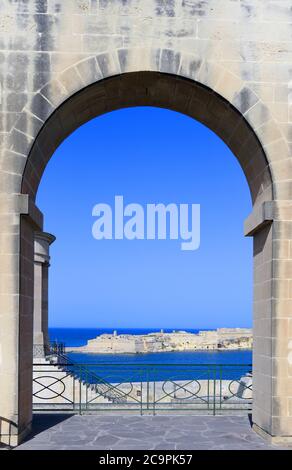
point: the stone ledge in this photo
(267, 212)
(21, 204)
(259, 218)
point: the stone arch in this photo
(207, 92)
(161, 90)
(231, 91)
(147, 89)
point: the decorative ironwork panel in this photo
(147, 388)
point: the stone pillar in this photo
(19, 220)
(42, 242)
(271, 227)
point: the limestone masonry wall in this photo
(226, 63)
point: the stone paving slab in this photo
(128, 432)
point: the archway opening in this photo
(149, 156)
(164, 91)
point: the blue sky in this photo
(148, 155)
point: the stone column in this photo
(271, 227)
(42, 242)
(19, 220)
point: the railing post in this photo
(220, 387)
(80, 391)
(214, 393)
(74, 391)
(209, 376)
(154, 391)
(86, 386)
(141, 397)
(147, 394)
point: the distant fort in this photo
(220, 339)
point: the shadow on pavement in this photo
(43, 421)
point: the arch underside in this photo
(160, 90)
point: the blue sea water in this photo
(152, 366)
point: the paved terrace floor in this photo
(128, 432)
